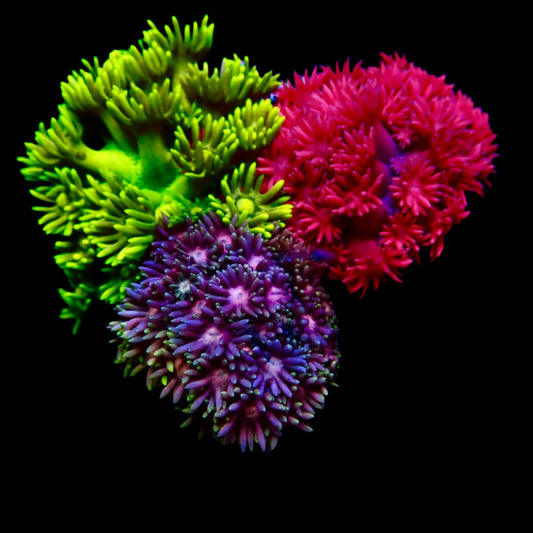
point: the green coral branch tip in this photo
(231, 85)
(256, 123)
(78, 302)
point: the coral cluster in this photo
(236, 328)
(148, 132)
(377, 162)
(208, 206)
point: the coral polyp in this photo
(377, 162)
(243, 196)
(235, 327)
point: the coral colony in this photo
(377, 162)
(235, 327)
(209, 205)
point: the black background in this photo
(429, 384)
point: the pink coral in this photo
(377, 162)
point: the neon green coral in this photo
(244, 203)
(145, 134)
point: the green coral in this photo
(232, 85)
(148, 133)
(244, 203)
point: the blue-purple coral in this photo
(236, 328)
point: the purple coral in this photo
(237, 329)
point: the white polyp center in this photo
(238, 296)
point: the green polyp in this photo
(243, 199)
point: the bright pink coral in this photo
(377, 162)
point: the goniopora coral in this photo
(377, 162)
(236, 328)
(147, 132)
(209, 205)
